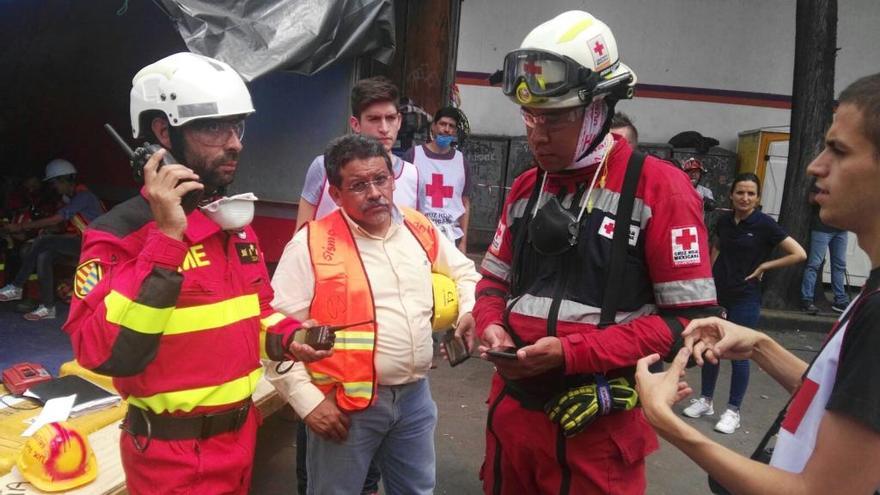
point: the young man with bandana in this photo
(444, 196)
(561, 409)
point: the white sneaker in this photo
(699, 407)
(729, 422)
(10, 292)
(41, 313)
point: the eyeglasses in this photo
(381, 182)
(552, 121)
(213, 132)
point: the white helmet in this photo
(59, 168)
(185, 87)
(567, 61)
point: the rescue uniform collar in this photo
(199, 227)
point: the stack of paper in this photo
(89, 396)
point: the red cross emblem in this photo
(437, 191)
(599, 48)
(532, 68)
(685, 239)
(609, 228)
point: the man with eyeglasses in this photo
(171, 299)
(369, 263)
(374, 113)
(578, 296)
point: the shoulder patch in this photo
(87, 276)
(685, 246)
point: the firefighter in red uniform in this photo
(580, 312)
(171, 299)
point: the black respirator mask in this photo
(553, 230)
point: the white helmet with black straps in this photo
(186, 87)
(567, 61)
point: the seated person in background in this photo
(81, 207)
(26, 200)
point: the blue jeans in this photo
(819, 242)
(371, 483)
(397, 430)
(42, 256)
(744, 313)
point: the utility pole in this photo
(812, 105)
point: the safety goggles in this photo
(546, 74)
(214, 132)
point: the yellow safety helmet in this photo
(445, 302)
(57, 458)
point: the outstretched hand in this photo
(714, 338)
(659, 391)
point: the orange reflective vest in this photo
(343, 296)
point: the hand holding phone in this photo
(456, 348)
(502, 352)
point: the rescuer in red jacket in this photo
(171, 299)
(562, 409)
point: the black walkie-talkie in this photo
(138, 157)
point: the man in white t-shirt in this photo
(444, 195)
(374, 113)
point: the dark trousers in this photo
(371, 483)
(45, 251)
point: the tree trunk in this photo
(811, 112)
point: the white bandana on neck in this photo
(594, 119)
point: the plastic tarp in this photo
(303, 36)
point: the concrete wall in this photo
(740, 53)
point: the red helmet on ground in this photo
(693, 164)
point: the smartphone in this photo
(456, 349)
(503, 352)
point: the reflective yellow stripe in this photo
(263, 353)
(215, 395)
(575, 30)
(271, 320)
(362, 390)
(354, 340)
(79, 222)
(32, 276)
(138, 317)
(321, 378)
(216, 315)
(145, 319)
